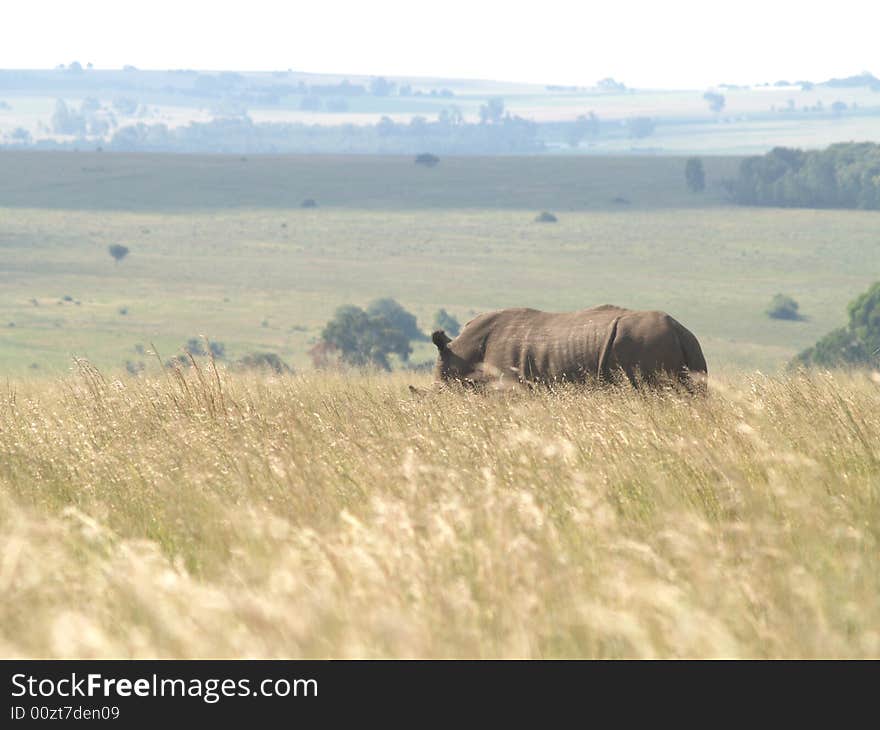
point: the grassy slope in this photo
(220, 246)
(326, 516)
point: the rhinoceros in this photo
(529, 346)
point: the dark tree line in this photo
(842, 176)
(447, 134)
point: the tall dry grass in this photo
(231, 515)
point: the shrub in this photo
(325, 356)
(264, 361)
(196, 346)
(783, 307)
(118, 252)
(426, 159)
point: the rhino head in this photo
(451, 366)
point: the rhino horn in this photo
(441, 339)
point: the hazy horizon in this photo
(679, 46)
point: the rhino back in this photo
(532, 345)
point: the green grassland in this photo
(220, 246)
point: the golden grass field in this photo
(213, 514)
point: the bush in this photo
(545, 217)
(118, 252)
(325, 356)
(427, 160)
(264, 361)
(783, 307)
(196, 346)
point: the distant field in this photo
(219, 246)
(167, 183)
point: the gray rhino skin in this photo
(529, 346)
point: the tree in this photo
(783, 307)
(639, 127)
(21, 135)
(857, 344)
(443, 320)
(67, 121)
(118, 252)
(839, 348)
(715, 100)
(397, 317)
(864, 318)
(125, 105)
(451, 117)
(363, 340)
(842, 176)
(492, 111)
(90, 105)
(380, 86)
(695, 175)
(582, 127)
(385, 127)
(611, 85)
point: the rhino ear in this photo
(439, 338)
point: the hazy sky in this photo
(648, 43)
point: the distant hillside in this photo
(188, 111)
